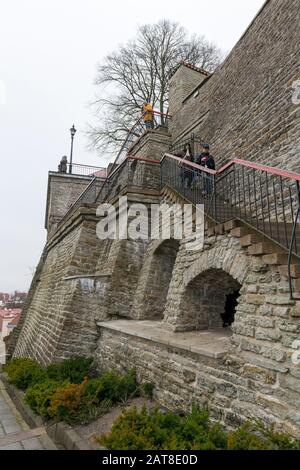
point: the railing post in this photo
(193, 143)
(292, 242)
(214, 198)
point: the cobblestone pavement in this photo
(15, 434)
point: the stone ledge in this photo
(67, 437)
(84, 276)
(210, 343)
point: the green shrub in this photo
(148, 388)
(66, 401)
(256, 436)
(58, 395)
(23, 372)
(74, 370)
(111, 386)
(39, 396)
(154, 430)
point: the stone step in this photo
(262, 248)
(219, 229)
(210, 231)
(295, 271)
(250, 239)
(231, 224)
(275, 258)
(296, 284)
(239, 232)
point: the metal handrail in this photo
(82, 169)
(75, 203)
(292, 241)
(124, 147)
(264, 197)
(237, 161)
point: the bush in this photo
(65, 393)
(111, 386)
(39, 396)
(74, 370)
(66, 401)
(148, 389)
(255, 436)
(23, 372)
(154, 430)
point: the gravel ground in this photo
(103, 424)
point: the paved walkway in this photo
(15, 434)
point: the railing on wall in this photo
(136, 130)
(78, 169)
(88, 196)
(266, 198)
(129, 173)
(99, 189)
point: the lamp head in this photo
(73, 130)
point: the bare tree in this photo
(138, 70)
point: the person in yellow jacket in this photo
(147, 111)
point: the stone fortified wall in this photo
(63, 190)
(245, 108)
(149, 304)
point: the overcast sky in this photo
(48, 55)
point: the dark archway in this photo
(229, 309)
(210, 301)
(160, 275)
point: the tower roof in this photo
(190, 66)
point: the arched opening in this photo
(209, 301)
(158, 282)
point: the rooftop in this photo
(190, 66)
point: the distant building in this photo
(9, 319)
(14, 300)
(4, 298)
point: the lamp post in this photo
(73, 132)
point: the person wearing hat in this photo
(147, 112)
(206, 160)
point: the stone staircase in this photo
(256, 243)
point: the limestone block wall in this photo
(63, 190)
(182, 84)
(154, 280)
(152, 144)
(134, 174)
(60, 319)
(81, 280)
(257, 377)
(245, 109)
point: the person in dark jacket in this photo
(206, 160)
(187, 173)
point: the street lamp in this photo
(73, 132)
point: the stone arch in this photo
(218, 271)
(155, 278)
(205, 301)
